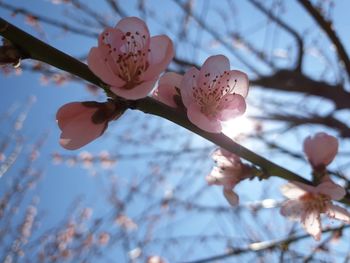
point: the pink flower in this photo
(128, 59)
(168, 88)
(83, 122)
(307, 203)
(320, 150)
(214, 94)
(229, 172)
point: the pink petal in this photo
(321, 149)
(231, 106)
(67, 111)
(305, 187)
(238, 80)
(211, 180)
(156, 259)
(133, 25)
(292, 209)
(74, 138)
(293, 191)
(100, 68)
(137, 92)
(78, 128)
(166, 88)
(334, 191)
(311, 222)
(338, 213)
(110, 38)
(218, 176)
(189, 82)
(112, 44)
(231, 197)
(225, 158)
(215, 66)
(202, 121)
(161, 54)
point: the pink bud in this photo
(320, 149)
(83, 122)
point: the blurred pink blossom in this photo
(2, 157)
(89, 240)
(214, 94)
(106, 160)
(57, 158)
(27, 226)
(128, 59)
(168, 88)
(86, 159)
(103, 238)
(307, 203)
(86, 213)
(155, 259)
(229, 172)
(65, 237)
(126, 222)
(320, 149)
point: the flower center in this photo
(130, 60)
(211, 93)
(316, 202)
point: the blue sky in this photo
(62, 184)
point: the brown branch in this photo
(286, 27)
(327, 27)
(292, 120)
(87, 10)
(291, 81)
(115, 7)
(48, 20)
(217, 36)
(263, 246)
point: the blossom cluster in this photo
(305, 202)
(129, 62)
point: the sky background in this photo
(63, 184)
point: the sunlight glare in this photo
(238, 126)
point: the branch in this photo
(217, 36)
(294, 121)
(263, 246)
(290, 80)
(328, 29)
(36, 49)
(48, 20)
(286, 27)
(114, 5)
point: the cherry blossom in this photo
(168, 88)
(83, 122)
(128, 59)
(307, 203)
(320, 149)
(229, 172)
(214, 94)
